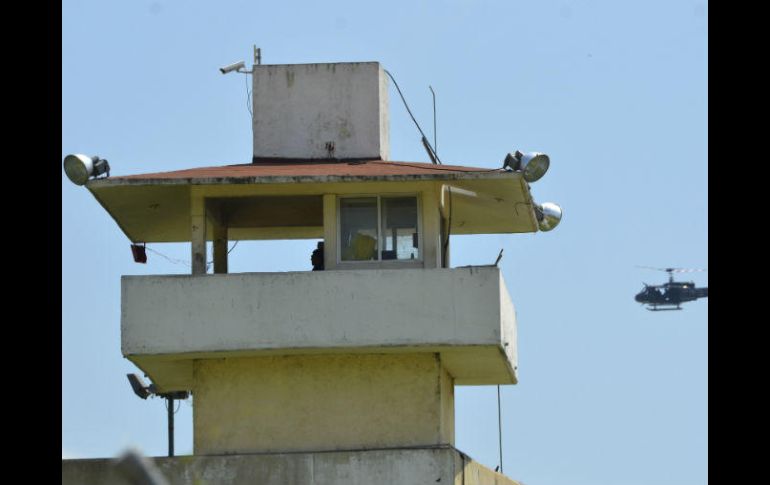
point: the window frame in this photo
(380, 238)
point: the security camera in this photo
(233, 67)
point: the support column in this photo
(431, 234)
(445, 210)
(220, 248)
(216, 217)
(330, 231)
(198, 232)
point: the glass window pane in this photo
(399, 228)
(358, 229)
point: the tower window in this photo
(380, 228)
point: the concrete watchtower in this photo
(344, 375)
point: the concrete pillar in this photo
(431, 242)
(330, 231)
(198, 232)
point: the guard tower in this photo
(340, 375)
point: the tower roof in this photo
(155, 207)
(307, 170)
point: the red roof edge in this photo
(283, 161)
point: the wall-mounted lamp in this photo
(79, 168)
(144, 391)
(533, 165)
(140, 388)
(140, 253)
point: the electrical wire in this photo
(171, 260)
(184, 261)
(248, 100)
(425, 138)
(178, 404)
(208, 265)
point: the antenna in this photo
(435, 143)
(500, 428)
(425, 142)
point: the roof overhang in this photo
(156, 207)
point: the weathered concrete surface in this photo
(300, 108)
(421, 466)
(465, 314)
(158, 210)
(321, 403)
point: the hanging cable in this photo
(424, 138)
(171, 260)
(184, 261)
(178, 404)
(248, 100)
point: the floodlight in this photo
(233, 67)
(533, 165)
(548, 215)
(140, 253)
(79, 168)
(137, 384)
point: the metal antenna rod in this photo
(170, 404)
(500, 428)
(435, 143)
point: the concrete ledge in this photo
(465, 314)
(417, 466)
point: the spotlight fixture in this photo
(140, 253)
(548, 215)
(233, 67)
(79, 168)
(144, 391)
(140, 388)
(533, 165)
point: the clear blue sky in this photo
(614, 92)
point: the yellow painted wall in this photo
(321, 402)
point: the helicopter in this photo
(671, 295)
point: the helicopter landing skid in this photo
(664, 309)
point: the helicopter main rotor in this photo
(671, 271)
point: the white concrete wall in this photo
(465, 314)
(323, 309)
(298, 108)
(426, 466)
